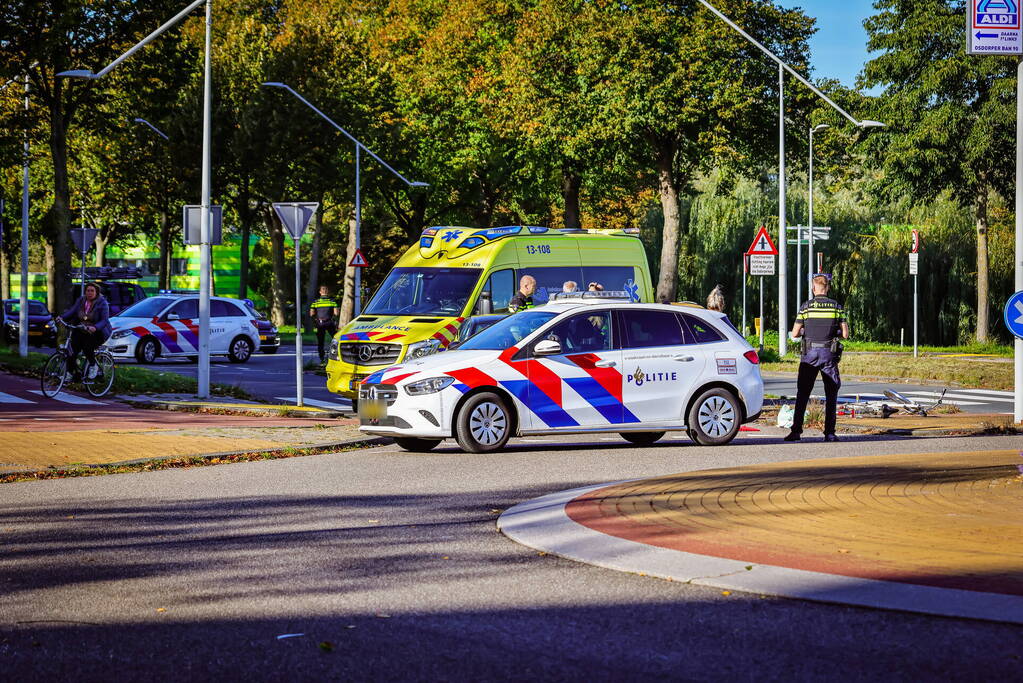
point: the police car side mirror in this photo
(547, 347)
(173, 316)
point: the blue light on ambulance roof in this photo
(538, 229)
(495, 233)
(430, 231)
(471, 243)
(425, 242)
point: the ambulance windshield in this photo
(424, 291)
(507, 332)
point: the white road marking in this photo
(936, 394)
(10, 398)
(314, 402)
(71, 398)
(992, 392)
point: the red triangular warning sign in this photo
(762, 244)
(358, 260)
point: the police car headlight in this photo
(428, 386)
(423, 348)
(119, 334)
(333, 352)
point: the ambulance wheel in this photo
(147, 350)
(240, 349)
(415, 445)
(715, 418)
(641, 438)
(483, 424)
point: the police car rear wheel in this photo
(715, 418)
(147, 350)
(642, 438)
(416, 445)
(240, 350)
(483, 424)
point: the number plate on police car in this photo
(372, 409)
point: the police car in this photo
(588, 365)
(168, 325)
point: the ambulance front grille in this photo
(368, 353)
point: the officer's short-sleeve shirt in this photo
(821, 318)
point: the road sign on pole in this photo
(993, 27)
(83, 239)
(761, 264)
(295, 216)
(358, 260)
(191, 223)
(1014, 314)
(762, 244)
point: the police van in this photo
(587, 366)
(453, 273)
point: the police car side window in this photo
(224, 309)
(187, 309)
(587, 333)
(644, 329)
(702, 331)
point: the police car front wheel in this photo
(147, 350)
(715, 418)
(483, 424)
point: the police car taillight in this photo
(752, 357)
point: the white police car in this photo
(586, 366)
(168, 325)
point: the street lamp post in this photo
(809, 248)
(782, 67)
(359, 147)
(204, 223)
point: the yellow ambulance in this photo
(453, 273)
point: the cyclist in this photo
(92, 312)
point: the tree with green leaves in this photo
(951, 116)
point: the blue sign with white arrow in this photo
(993, 27)
(1014, 314)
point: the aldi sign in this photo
(993, 27)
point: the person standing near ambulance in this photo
(821, 324)
(324, 312)
(523, 298)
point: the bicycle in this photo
(57, 373)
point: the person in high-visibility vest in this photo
(324, 312)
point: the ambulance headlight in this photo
(428, 386)
(333, 352)
(422, 348)
(120, 334)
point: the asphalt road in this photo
(389, 566)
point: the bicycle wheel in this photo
(54, 375)
(104, 379)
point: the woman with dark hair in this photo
(92, 312)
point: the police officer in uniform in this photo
(821, 323)
(523, 298)
(324, 312)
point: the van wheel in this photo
(483, 424)
(147, 350)
(715, 418)
(415, 445)
(641, 438)
(240, 350)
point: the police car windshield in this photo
(147, 308)
(508, 332)
(424, 291)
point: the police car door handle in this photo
(683, 359)
(605, 364)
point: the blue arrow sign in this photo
(986, 35)
(1014, 314)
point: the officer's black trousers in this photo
(329, 331)
(824, 362)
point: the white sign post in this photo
(914, 270)
(761, 254)
(295, 217)
(993, 27)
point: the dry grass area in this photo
(950, 371)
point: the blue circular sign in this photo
(1014, 314)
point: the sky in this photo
(839, 48)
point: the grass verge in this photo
(949, 371)
(170, 463)
(127, 379)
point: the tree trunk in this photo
(313, 283)
(668, 191)
(5, 273)
(165, 250)
(348, 297)
(570, 184)
(278, 294)
(246, 215)
(51, 277)
(983, 306)
(101, 242)
(60, 216)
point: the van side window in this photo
(551, 280)
(613, 278)
(702, 331)
(645, 329)
(501, 285)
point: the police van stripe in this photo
(612, 409)
(539, 403)
(608, 378)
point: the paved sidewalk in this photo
(937, 533)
